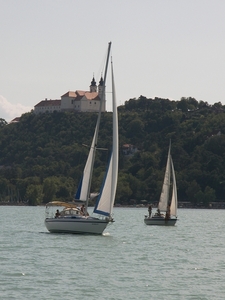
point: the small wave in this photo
(106, 234)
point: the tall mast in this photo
(94, 142)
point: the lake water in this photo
(130, 261)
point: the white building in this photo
(47, 105)
(80, 101)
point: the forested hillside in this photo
(42, 156)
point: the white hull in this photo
(161, 221)
(79, 225)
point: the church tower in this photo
(93, 86)
(101, 87)
(101, 93)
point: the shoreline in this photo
(183, 205)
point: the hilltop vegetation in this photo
(42, 156)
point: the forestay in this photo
(173, 205)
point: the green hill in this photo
(42, 156)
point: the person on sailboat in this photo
(158, 212)
(149, 210)
(82, 209)
(57, 214)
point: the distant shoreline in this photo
(213, 205)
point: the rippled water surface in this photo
(130, 261)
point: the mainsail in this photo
(164, 197)
(106, 198)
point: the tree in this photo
(2, 122)
(124, 191)
(49, 190)
(4, 186)
(183, 105)
(34, 194)
(192, 192)
(209, 196)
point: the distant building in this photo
(47, 105)
(15, 120)
(129, 149)
(214, 133)
(80, 101)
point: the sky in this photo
(160, 48)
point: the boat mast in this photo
(97, 128)
(115, 143)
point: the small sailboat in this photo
(75, 221)
(166, 214)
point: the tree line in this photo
(42, 156)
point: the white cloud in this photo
(9, 111)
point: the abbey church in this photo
(80, 101)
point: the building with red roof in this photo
(80, 101)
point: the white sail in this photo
(107, 195)
(82, 191)
(164, 197)
(173, 205)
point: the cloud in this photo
(9, 111)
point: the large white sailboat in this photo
(167, 210)
(71, 219)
